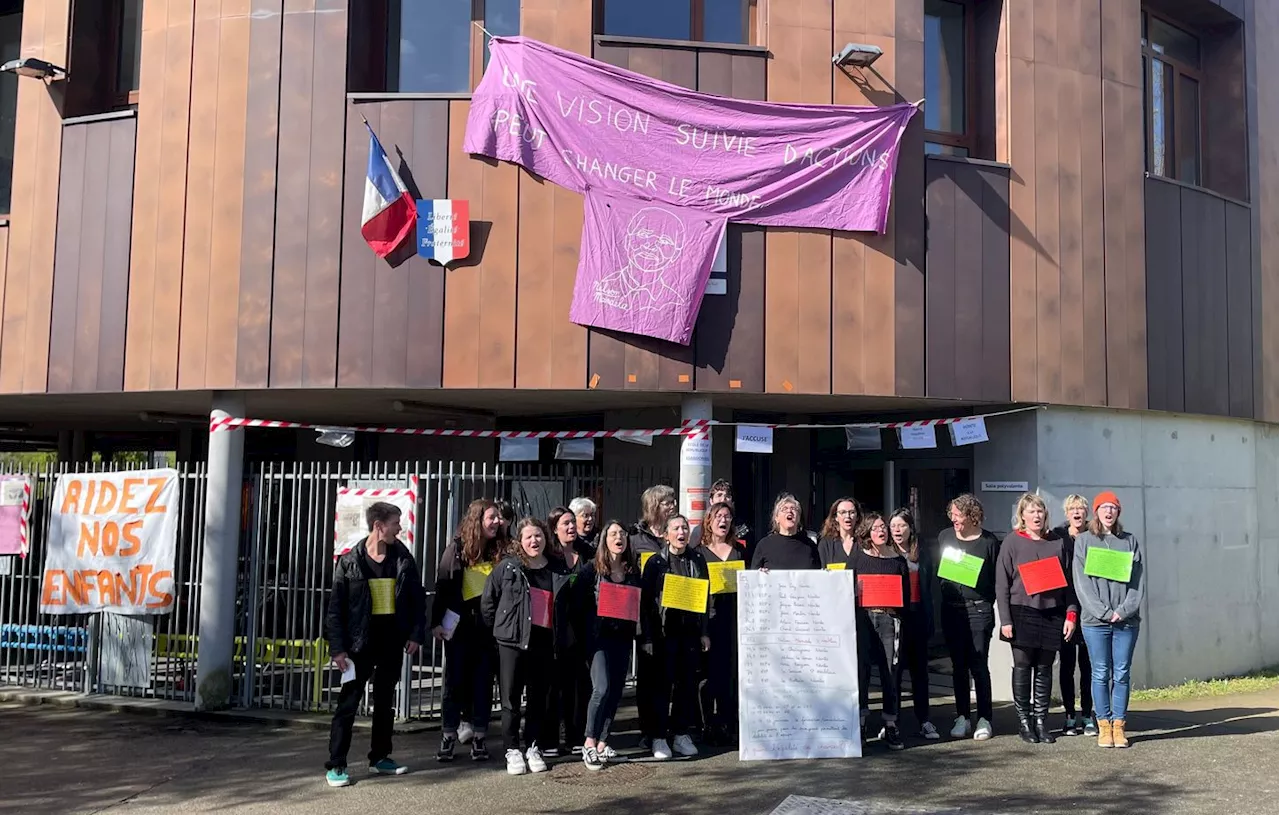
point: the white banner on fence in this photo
(349, 524)
(15, 511)
(112, 538)
(797, 666)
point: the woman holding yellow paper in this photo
(881, 575)
(1108, 568)
(613, 617)
(838, 541)
(517, 604)
(1037, 610)
(455, 620)
(720, 665)
(674, 631)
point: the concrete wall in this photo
(1201, 495)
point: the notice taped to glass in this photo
(797, 665)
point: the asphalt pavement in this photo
(1214, 755)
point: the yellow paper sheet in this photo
(473, 578)
(835, 567)
(724, 578)
(685, 593)
(382, 590)
(644, 558)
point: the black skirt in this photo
(1034, 628)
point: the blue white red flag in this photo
(389, 213)
(444, 230)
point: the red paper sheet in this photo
(880, 591)
(619, 602)
(540, 607)
(1042, 575)
(915, 587)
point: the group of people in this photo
(557, 609)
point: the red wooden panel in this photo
(67, 260)
(355, 328)
(941, 201)
(115, 256)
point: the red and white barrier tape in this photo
(698, 428)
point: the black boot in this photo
(1040, 709)
(1022, 703)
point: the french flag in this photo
(389, 212)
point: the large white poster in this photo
(797, 665)
(349, 524)
(112, 538)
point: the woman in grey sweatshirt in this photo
(1110, 589)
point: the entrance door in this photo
(926, 487)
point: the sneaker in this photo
(684, 746)
(465, 733)
(983, 731)
(893, 738)
(337, 777)
(551, 752)
(447, 743)
(661, 750)
(646, 744)
(607, 753)
(1091, 726)
(388, 766)
(479, 752)
(928, 731)
(592, 759)
(1069, 726)
(962, 728)
(515, 763)
(534, 756)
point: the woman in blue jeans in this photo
(1109, 612)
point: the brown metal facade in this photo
(210, 239)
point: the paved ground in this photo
(1214, 755)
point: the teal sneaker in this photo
(388, 766)
(338, 777)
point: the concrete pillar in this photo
(219, 563)
(695, 460)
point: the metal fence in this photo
(286, 567)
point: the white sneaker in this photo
(515, 763)
(929, 731)
(661, 750)
(984, 730)
(606, 752)
(465, 732)
(685, 746)
(534, 756)
(961, 728)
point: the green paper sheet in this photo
(965, 571)
(1109, 563)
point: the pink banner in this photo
(693, 160)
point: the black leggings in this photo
(914, 659)
(521, 672)
(1075, 653)
(967, 629)
(1033, 657)
(879, 633)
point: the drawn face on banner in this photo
(655, 239)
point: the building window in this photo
(727, 21)
(129, 52)
(429, 43)
(10, 48)
(947, 36)
(1171, 99)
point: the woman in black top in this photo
(469, 652)
(571, 684)
(609, 641)
(879, 627)
(677, 638)
(839, 537)
(917, 621)
(789, 547)
(525, 630)
(1034, 622)
(1074, 651)
(968, 613)
(720, 664)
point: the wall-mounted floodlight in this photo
(857, 55)
(37, 68)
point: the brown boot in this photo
(1118, 738)
(1105, 738)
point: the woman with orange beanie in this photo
(1107, 567)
